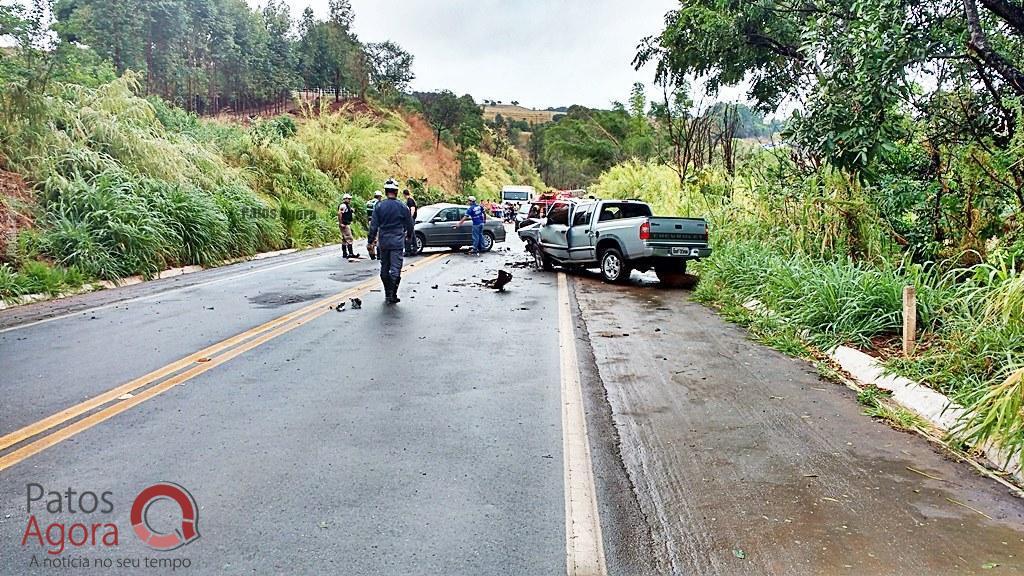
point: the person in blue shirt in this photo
(477, 213)
(392, 225)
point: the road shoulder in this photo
(745, 460)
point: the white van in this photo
(517, 194)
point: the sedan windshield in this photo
(426, 213)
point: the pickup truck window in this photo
(559, 214)
(611, 211)
(582, 217)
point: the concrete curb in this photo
(133, 280)
(933, 406)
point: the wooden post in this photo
(909, 320)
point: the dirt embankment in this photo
(420, 157)
(437, 164)
(16, 208)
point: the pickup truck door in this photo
(554, 237)
(581, 234)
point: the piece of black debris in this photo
(434, 287)
(500, 282)
(340, 307)
(356, 303)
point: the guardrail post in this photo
(909, 320)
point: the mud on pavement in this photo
(742, 460)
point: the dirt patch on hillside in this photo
(17, 204)
(438, 165)
(418, 159)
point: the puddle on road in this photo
(278, 299)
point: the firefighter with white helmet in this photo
(371, 242)
(346, 215)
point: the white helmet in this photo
(346, 197)
(472, 198)
(377, 193)
(391, 186)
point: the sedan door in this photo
(438, 230)
(554, 233)
(464, 235)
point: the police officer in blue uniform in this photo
(391, 223)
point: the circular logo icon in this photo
(187, 532)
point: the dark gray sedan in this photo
(434, 228)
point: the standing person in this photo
(346, 214)
(477, 213)
(410, 203)
(371, 240)
(392, 223)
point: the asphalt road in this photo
(437, 437)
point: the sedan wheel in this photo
(488, 242)
(419, 244)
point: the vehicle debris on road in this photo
(500, 282)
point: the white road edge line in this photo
(584, 548)
(165, 292)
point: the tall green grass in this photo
(130, 185)
(835, 301)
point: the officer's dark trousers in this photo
(390, 261)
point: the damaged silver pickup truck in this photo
(616, 236)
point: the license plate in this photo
(680, 251)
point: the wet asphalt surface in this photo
(426, 438)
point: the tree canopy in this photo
(207, 55)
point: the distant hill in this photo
(510, 112)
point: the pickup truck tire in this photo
(542, 260)
(614, 268)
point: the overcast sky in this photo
(540, 52)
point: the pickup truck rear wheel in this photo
(614, 267)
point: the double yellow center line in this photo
(126, 396)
